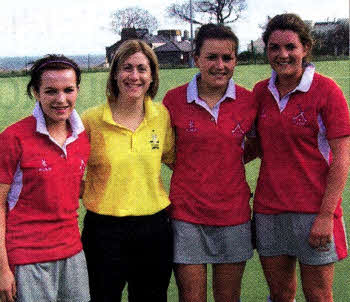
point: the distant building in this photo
(174, 53)
(258, 45)
(168, 45)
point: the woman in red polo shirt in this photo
(209, 194)
(303, 126)
(42, 162)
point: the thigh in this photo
(191, 280)
(37, 282)
(150, 259)
(280, 274)
(73, 279)
(317, 281)
(227, 278)
(104, 244)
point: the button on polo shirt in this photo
(123, 175)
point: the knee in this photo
(318, 295)
(286, 294)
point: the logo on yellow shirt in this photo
(154, 140)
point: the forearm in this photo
(337, 176)
(251, 150)
(4, 265)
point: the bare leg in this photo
(191, 280)
(227, 279)
(280, 274)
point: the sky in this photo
(80, 27)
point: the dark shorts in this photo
(136, 250)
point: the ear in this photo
(307, 48)
(78, 88)
(36, 94)
(196, 58)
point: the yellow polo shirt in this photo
(123, 171)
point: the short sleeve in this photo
(85, 120)
(335, 113)
(168, 156)
(10, 154)
(167, 104)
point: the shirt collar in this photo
(192, 90)
(150, 111)
(305, 82)
(74, 120)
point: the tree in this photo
(221, 11)
(133, 17)
(334, 41)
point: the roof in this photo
(171, 46)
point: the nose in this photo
(220, 63)
(134, 74)
(283, 52)
(61, 97)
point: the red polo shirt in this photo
(41, 222)
(294, 136)
(208, 185)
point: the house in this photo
(126, 34)
(174, 53)
(168, 45)
(258, 45)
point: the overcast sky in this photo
(71, 27)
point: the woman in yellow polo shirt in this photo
(127, 237)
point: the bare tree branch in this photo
(133, 17)
(222, 11)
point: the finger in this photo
(314, 241)
(324, 241)
(7, 296)
(14, 291)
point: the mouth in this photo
(218, 74)
(283, 63)
(131, 85)
(60, 109)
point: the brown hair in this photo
(290, 22)
(127, 49)
(50, 62)
(214, 31)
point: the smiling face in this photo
(216, 62)
(134, 77)
(285, 53)
(57, 94)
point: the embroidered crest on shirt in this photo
(191, 127)
(154, 140)
(82, 166)
(44, 166)
(263, 113)
(237, 129)
(300, 119)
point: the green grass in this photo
(15, 105)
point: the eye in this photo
(69, 90)
(127, 67)
(227, 58)
(273, 47)
(50, 91)
(212, 57)
(142, 68)
(290, 46)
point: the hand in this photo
(321, 234)
(7, 286)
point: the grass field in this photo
(15, 105)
